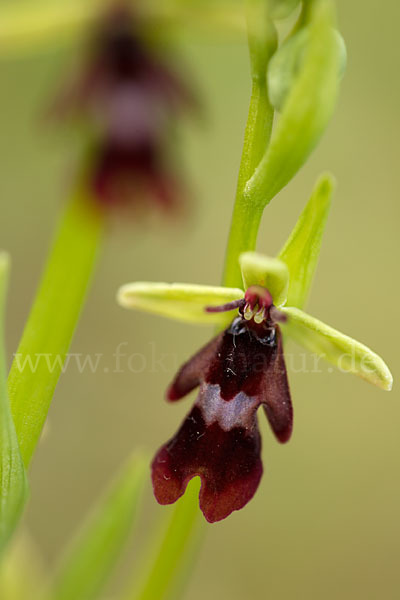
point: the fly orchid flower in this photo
(243, 367)
(128, 95)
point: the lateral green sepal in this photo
(181, 301)
(337, 348)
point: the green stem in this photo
(247, 213)
(40, 357)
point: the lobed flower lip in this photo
(238, 371)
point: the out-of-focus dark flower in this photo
(238, 371)
(128, 96)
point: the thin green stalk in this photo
(247, 215)
(39, 360)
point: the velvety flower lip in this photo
(128, 96)
(238, 371)
(228, 463)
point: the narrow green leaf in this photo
(301, 251)
(181, 301)
(39, 360)
(170, 558)
(335, 347)
(306, 112)
(272, 273)
(13, 483)
(92, 555)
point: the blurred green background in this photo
(325, 522)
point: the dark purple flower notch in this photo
(129, 96)
(238, 371)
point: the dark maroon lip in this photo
(237, 371)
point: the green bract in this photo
(305, 112)
(288, 279)
(13, 482)
(286, 64)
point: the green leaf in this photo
(272, 273)
(171, 556)
(301, 251)
(13, 482)
(181, 301)
(48, 332)
(339, 349)
(287, 62)
(306, 112)
(92, 555)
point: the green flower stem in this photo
(48, 332)
(172, 556)
(246, 213)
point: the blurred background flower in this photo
(126, 97)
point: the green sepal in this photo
(301, 251)
(13, 480)
(271, 273)
(181, 301)
(286, 64)
(306, 111)
(344, 352)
